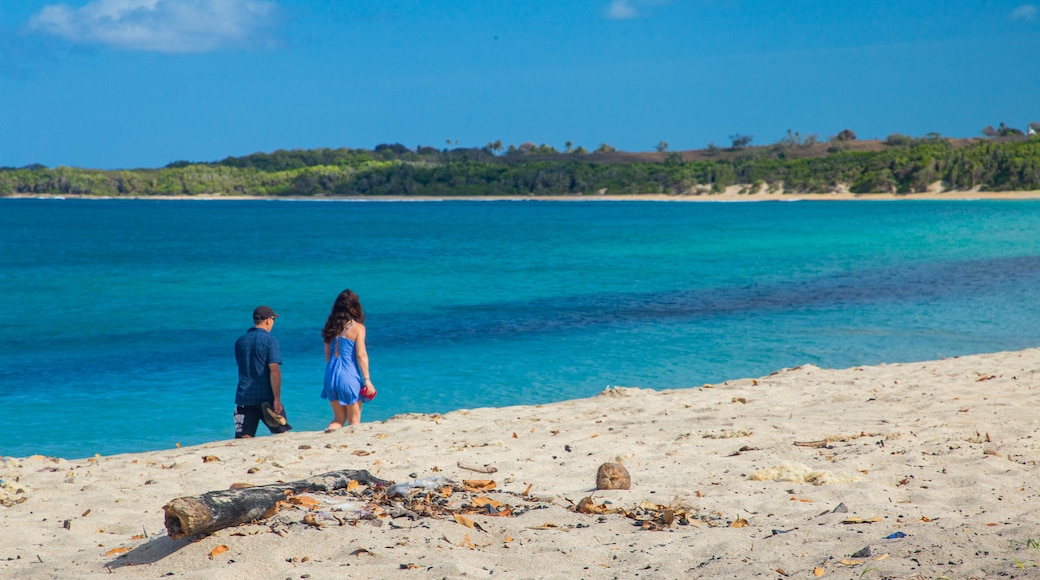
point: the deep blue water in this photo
(120, 315)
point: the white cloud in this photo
(629, 9)
(1024, 12)
(174, 26)
(621, 10)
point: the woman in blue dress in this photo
(347, 382)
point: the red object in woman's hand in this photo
(368, 393)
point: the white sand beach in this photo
(918, 470)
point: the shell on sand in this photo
(613, 476)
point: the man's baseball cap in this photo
(263, 313)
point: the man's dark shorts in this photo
(248, 417)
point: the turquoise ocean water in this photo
(120, 315)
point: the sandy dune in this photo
(895, 471)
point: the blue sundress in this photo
(342, 377)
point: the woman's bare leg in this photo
(353, 413)
(339, 416)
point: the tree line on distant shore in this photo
(900, 164)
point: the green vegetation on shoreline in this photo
(898, 165)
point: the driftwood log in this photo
(215, 510)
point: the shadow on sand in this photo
(150, 552)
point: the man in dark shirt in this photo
(259, 359)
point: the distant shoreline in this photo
(731, 195)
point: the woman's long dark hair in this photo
(347, 307)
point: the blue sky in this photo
(142, 83)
